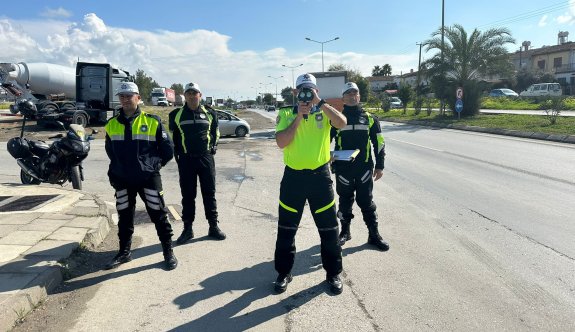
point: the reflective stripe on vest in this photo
(144, 128)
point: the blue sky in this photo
(230, 47)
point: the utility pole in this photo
(442, 110)
(276, 79)
(292, 80)
(418, 72)
(321, 42)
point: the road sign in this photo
(459, 105)
(459, 93)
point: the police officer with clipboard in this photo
(354, 179)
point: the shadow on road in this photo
(257, 280)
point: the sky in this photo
(231, 48)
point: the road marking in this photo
(421, 146)
(174, 213)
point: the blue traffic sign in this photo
(459, 105)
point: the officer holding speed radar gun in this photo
(304, 135)
(355, 178)
(138, 147)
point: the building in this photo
(557, 60)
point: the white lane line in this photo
(421, 146)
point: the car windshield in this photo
(508, 91)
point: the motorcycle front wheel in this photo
(27, 179)
(75, 177)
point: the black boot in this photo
(187, 233)
(215, 232)
(169, 258)
(345, 234)
(124, 255)
(376, 239)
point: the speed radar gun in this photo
(57, 162)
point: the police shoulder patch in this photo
(278, 119)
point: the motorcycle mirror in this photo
(61, 125)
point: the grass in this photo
(529, 123)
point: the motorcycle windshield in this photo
(77, 132)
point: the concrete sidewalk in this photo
(40, 226)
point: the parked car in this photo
(503, 93)
(542, 89)
(395, 102)
(230, 125)
(271, 108)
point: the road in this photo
(480, 228)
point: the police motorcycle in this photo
(55, 162)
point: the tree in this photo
(381, 71)
(145, 85)
(178, 88)
(466, 59)
(268, 99)
(354, 76)
(287, 95)
(404, 93)
(386, 70)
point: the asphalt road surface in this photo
(480, 228)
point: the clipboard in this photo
(344, 155)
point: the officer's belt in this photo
(321, 168)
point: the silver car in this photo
(230, 124)
(395, 102)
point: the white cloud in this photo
(170, 57)
(56, 13)
(542, 21)
(564, 19)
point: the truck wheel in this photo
(27, 179)
(241, 131)
(67, 106)
(75, 177)
(80, 118)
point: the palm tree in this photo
(386, 70)
(467, 59)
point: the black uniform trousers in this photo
(192, 167)
(315, 186)
(355, 179)
(151, 193)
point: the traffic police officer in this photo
(138, 147)
(357, 177)
(195, 133)
(304, 135)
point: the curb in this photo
(49, 270)
(570, 139)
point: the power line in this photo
(527, 15)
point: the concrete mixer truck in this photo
(82, 95)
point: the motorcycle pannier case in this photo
(18, 147)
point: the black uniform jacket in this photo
(135, 157)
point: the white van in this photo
(542, 89)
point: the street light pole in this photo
(292, 80)
(276, 79)
(322, 42)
